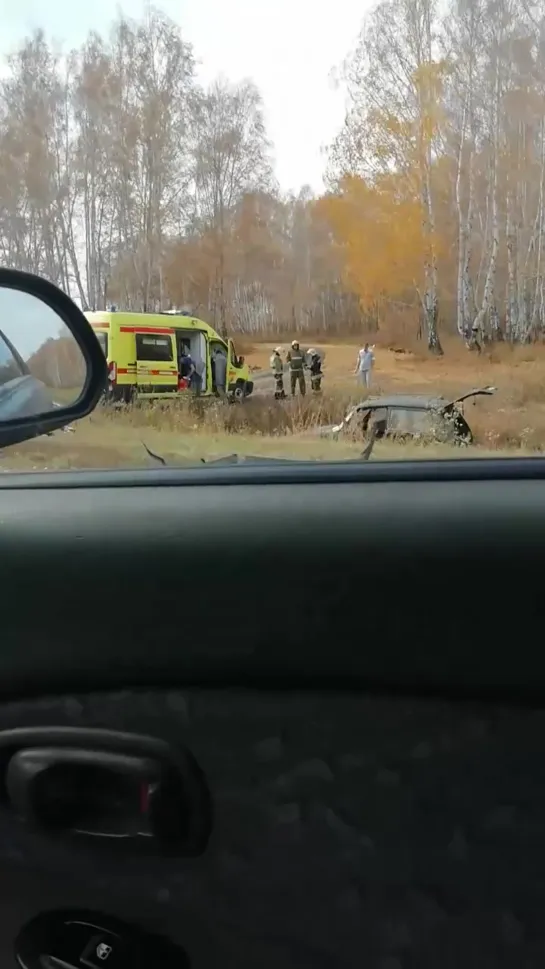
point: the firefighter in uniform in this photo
(277, 367)
(296, 361)
(315, 369)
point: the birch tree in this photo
(395, 83)
(229, 159)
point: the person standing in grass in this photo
(277, 367)
(315, 369)
(364, 365)
(296, 362)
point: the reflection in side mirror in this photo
(42, 367)
(52, 370)
(241, 361)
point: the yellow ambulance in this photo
(145, 351)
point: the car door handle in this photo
(134, 792)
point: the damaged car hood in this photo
(406, 402)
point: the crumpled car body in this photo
(413, 416)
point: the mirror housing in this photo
(27, 401)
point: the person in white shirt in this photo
(364, 366)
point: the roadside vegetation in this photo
(512, 422)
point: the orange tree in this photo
(380, 229)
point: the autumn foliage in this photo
(379, 230)
(124, 180)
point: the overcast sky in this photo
(288, 47)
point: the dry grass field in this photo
(510, 423)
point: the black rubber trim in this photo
(15, 431)
(327, 472)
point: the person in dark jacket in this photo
(315, 370)
(296, 363)
(220, 372)
(185, 363)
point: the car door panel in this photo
(359, 676)
(347, 828)
(312, 551)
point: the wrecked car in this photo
(413, 416)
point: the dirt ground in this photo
(512, 422)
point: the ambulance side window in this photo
(154, 346)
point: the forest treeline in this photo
(125, 181)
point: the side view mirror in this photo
(52, 368)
